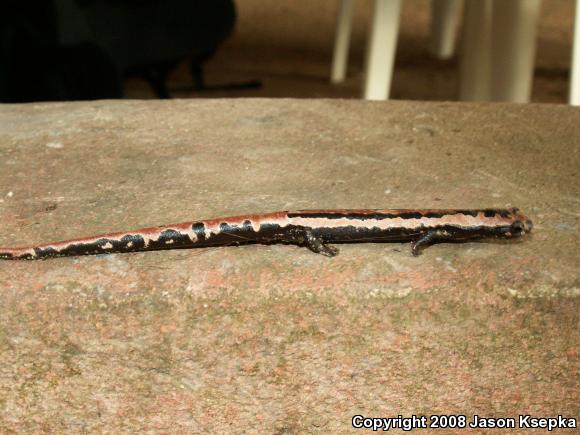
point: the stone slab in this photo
(277, 339)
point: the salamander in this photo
(314, 229)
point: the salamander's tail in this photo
(18, 254)
(145, 239)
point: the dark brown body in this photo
(310, 228)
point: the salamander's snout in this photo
(520, 227)
(521, 224)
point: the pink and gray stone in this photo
(275, 339)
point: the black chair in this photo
(83, 49)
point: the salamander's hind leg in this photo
(430, 238)
(316, 244)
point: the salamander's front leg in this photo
(430, 238)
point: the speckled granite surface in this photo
(276, 339)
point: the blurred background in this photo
(86, 49)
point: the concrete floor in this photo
(276, 339)
(288, 45)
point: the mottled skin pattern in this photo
(310, 228)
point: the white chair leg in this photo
(513, 49)
(381, 49)
(575, 70)
(444, 18)
(474, 68)
(341, 41)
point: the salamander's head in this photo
(520, 224)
